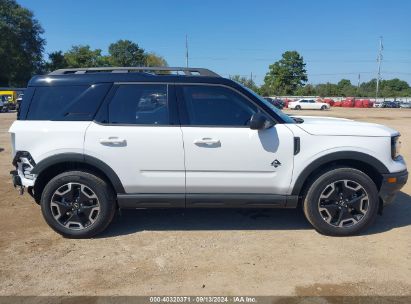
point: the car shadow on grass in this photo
(396, 215)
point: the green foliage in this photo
(126, 53)
(345, 88)
(388, 88)
(395, 88)
(121, 53)
(80, 56)
(247, 82)
(286, 76)
(56, 61)
(21, 44)
(154, 60)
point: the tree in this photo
(81, 56)
(247, 82)
(307, 90)
(345, 88)
(327, 89)
(154, 60)
(286, 75)
(56, 61)
(395, 88)
(126, 53)
(21, 44)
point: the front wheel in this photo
(78, 204)
(323, 108)
(341, 202)
(297, 107)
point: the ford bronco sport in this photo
(89, 141)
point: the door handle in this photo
(112, 141)
(207, 141)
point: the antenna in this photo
(379, 60)
(186, 51)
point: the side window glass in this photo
(209, 105)
(140, 104)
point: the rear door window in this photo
(139, 104)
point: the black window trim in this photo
(183, 108)
(101, 117)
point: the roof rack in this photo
(184, 71)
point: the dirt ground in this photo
(213, 252)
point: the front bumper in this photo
(17, 181)
(391, 184)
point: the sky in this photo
(337, 39)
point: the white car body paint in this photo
(240, 161)
(167, 160)
(308, 104)
(146, 159)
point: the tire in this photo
(330, 213)
(297, 107)
(323, 108)
(93, 210)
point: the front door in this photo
(222, 154)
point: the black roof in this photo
(127, 74)
(91, 78)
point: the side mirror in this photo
(259, 121)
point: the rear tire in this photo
(341, 202)
(323, 108)
(78, 204)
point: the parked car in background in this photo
(278, 103)
(308, 104)
(1, 105)
(389, 104)
(18, 101)
(406, 105)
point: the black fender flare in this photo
(337, 156)
(80, 158)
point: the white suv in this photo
(308, 104)
(90, 141)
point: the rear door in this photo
(222, 154)
(138, 135)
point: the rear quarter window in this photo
(65, 103)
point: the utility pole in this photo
(379, 60)
(359, 80)
(186, 51)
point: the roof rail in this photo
(185, 71)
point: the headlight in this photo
(395, 146)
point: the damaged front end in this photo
(22, 177)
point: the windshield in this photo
(285, 117)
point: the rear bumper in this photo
(391, 184)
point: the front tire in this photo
(297, 107)
(78, 204)
(323, 108)
(341, 202)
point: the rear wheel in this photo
(343, 201)
(78, 204)
(323, 108)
